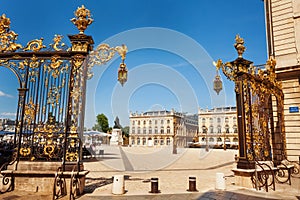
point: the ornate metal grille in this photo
(52, 85)
(259, 108)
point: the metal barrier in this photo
(192, 184)
(154, 185)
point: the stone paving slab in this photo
(173, 178)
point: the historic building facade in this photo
(7, 125)
(283, 34)
(159, 128)
(218, 127)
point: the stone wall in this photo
(285, 33)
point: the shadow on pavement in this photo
(94, 183)
(220, 195)
(95, 159)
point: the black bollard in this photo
(154, 185)
(192, 184)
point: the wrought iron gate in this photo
(52, 83)
(51, 104)
(259, 99)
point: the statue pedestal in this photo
(116, 137)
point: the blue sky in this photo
(171, 44)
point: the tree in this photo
(102, 123)
(96, 127)
(125, 131)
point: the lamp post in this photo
(206, 139)
(175, 136)
(224, 141)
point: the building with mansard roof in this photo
(159, 128)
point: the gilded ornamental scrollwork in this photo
(258, 89)
(35, 45)
(30, 111)
(58, 45)
(7, 37)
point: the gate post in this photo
(254, 88)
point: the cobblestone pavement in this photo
(139, 165)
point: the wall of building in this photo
(218, 127)
(158, 128)
(284, 40)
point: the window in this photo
(211, 128)
(211, 139)
(133, 122)
(235, 129)
(144, 122)
(139, 122)
(203, 139)
(162, 130)
(168, 141)
(162, 142)
(144, 141)
(150, 130)
(155, 121)
(219, 139)
(203, 120)
(226, 128)
(226, 119)
(144, 130)
(162, 121)
(219, 129)
(234, 119)
(168, 121)
(132, 141)
(150, 122)
(168, 129)
(155, 130)
(204, 129)
(155, 141)
(139, 130)
(133, 130)
(211, 120)
(138, 141)
(219, 120)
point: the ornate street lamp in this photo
(217, 83)
(104, 53)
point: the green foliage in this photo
(96, 127)
(102, 123)
(125, 131)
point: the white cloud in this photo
(8, 115)
(2, 94)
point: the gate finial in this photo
(82, 19)
(239, 45)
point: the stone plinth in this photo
(243, 177)
(39, 176)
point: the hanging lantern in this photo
(217, 84)
(122, 73)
